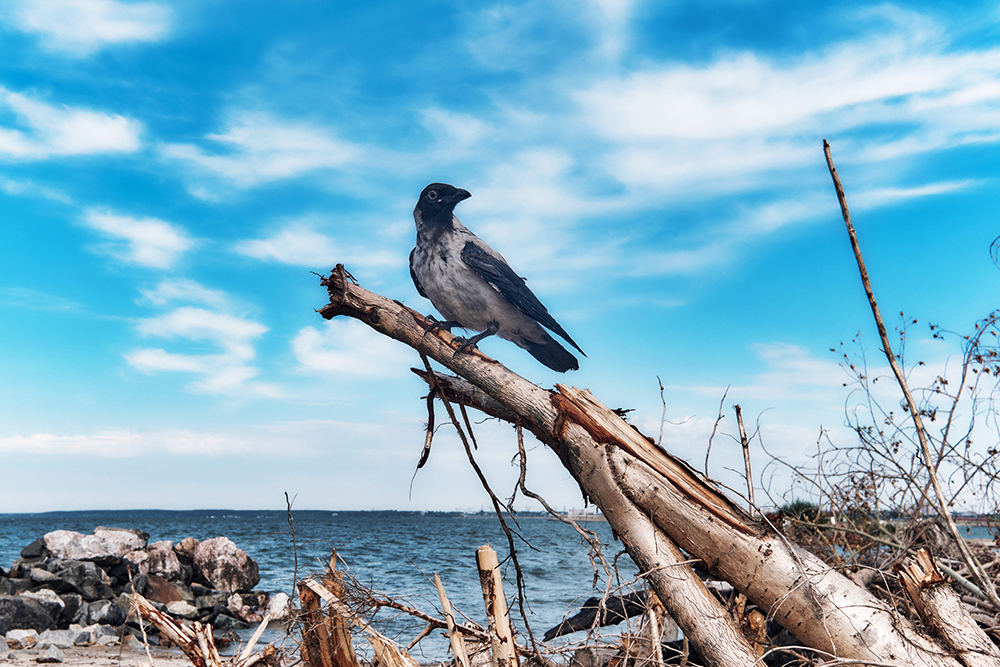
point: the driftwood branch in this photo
(658, 505)
(196, 640)
(941, 608)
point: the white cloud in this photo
(284, 439)
(258, 147)
(300, 244)
(349, 347)
(170, 291)
(146, 241)
(30, 189)
(232, 333)
(49, 130)
(225, 372)
(80, 27)
(876, 197)
(744, 119)
(31, 299)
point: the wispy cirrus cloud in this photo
(347, 347)
(743, 118)
(300, 244)
(224, 372)
(185, 290)
(47, 130)
(149, 242)
(81, 27)
(259, 147)
(31, 299)
(283, 438)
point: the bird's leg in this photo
(471, 342)
(447, 325)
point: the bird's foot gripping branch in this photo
(665, 513)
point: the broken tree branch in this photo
(655, 502)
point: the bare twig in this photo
(746, 460)
(715, 427)
(982, 579)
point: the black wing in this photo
(497, 273)
(413, 275)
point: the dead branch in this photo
(978, 573)
(941, 609)
(655, 502)
(196, 640)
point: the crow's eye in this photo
(432, 195)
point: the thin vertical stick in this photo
(501, 634)
(746, 460)
(457, 645)
(984, 581)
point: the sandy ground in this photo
(103, 656)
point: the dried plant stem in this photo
(982, 579)
(746, 459)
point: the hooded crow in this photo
(472, 285)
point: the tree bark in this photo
(658, 505)
(941, 609)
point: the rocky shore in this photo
(72, 590)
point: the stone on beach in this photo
(185, 548)
(21, 639)
(52, 654)
(182, 609)
(52, 603)
(64, 638)
(20, 613)
(163, 560)
(103, 544)
(225, 566)
(48, 592)
(105, 612)
(84, 577)
(279, 607)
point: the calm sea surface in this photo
(396, 553)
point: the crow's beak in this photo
(457, 197)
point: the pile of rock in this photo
(68, 584)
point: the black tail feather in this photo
(551, 353)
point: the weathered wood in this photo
(655, 502)
(387, 653)
(454, 637)
(941, 608)
(337, 627)
(192, 643)
(315, 647)
(196, 640)
(501, 632)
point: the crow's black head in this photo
(437, 201)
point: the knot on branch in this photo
(336, 285)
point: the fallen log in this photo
(941, 608)
(616, 608)
(658, 505)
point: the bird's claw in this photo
(470, 343)
(438, 325)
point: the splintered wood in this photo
(387, 653)
(501, 633)
(941, 609)
(196, 640)
(454, 637)
(326, 637)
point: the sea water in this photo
(394, 553)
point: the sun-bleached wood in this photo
(657, 505)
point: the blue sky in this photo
(172, 172)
